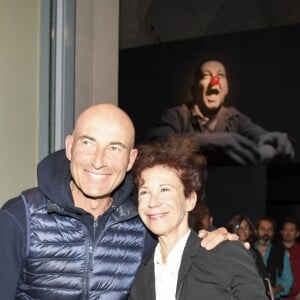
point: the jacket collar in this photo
(220, 122)
(191, 250)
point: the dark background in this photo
(263, 69)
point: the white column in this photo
(97, 53)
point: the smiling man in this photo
(77, 235)
(101, 152)
(225, 134)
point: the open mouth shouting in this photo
(212, 93)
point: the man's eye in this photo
(165, 189)
(205, 75)
(86, 142)
(115, 148)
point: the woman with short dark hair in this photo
(170, 178)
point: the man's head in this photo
(265, 230)
(100, 151)
(289, 230)
(210, 87)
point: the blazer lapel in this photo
(149, 279)
(189, 253)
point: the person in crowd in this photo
(201, 218)
(170, 179)
(77, 235)
(275, 257)
(244, 228)
(224, 133)
(289, 235)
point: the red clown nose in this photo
(214, 80)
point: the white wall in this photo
(96, 79)
(97, 53)
(19, 65)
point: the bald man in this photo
(77, 235)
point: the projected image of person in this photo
(223, 132)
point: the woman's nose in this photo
(153, 201)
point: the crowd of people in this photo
(274, 246)
(276, 252)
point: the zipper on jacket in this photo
(88, 270)
(89, 259)
(95, 226)
(92, 243)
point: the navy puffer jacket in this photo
(67, 255)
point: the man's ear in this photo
(132, 156)
(68, 146)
